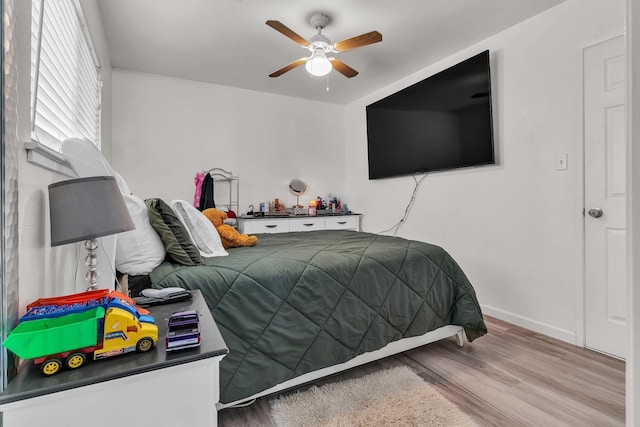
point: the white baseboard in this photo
(552, 331)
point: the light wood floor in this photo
(510, 377)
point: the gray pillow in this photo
(177, 242)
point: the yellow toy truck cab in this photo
(124, 333)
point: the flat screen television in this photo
(442, 122)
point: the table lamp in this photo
(85, 209)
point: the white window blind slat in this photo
(66, 80)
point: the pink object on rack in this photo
(198, 180)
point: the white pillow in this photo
(122, 184)
(202, 232)
(141, 250)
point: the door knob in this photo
(595, 212)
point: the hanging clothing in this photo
(198, 181)
(206, 198)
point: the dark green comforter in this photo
(298, 302)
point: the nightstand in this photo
(153, 388)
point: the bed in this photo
(299, 306)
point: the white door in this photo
(605, 148)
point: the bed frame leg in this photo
(460, 337)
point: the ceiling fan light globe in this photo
(318, 65)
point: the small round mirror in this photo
(297, 188)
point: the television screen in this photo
(442, 122)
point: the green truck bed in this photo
(43, 337)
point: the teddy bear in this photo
(231, 238)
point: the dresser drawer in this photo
(306, 224)
(295, 224)
(350, 222)
(267, 226)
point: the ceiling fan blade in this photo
(283, 29)
(343, 68)
(288, 67)
(357, 41)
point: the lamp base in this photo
(91, 260)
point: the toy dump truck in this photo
(64, 331)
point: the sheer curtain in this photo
(9, 195)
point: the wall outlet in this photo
(561, 162)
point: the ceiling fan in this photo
(318, 64)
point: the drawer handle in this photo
(271, 225)
(342, 222)
(309, 224)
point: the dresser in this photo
(267, 224)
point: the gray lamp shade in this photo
(86, 208)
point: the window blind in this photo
(66, 84)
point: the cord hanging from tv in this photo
(442, 122)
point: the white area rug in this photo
(393, 397)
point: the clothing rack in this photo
(227, 194)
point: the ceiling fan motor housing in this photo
(320, 41)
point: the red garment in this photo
(198, 180)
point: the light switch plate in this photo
(561, 162)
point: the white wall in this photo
(167, 129)
(515, 228)
(46, 271)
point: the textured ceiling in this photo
(227, 42)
